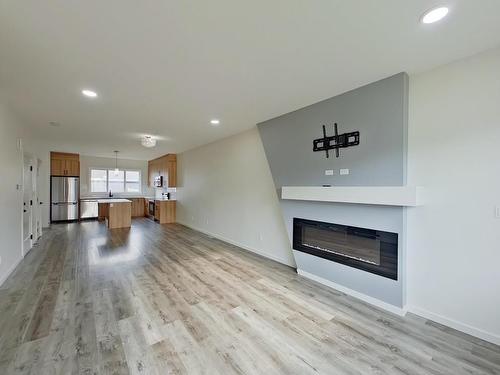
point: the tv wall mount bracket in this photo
(335, 141)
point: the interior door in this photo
(27, 204)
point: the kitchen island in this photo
(116, 212)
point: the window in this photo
(116, 181)
(121, 181)
(98, 180)
(133, 181)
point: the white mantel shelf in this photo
(403, 196)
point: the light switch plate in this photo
(344, 171)
(497, 212)
(329, 172)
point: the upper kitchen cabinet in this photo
(151, 173)
(171, 170)
(154, 170)
(165, 166)
(64, 164)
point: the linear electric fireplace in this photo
(369, 250)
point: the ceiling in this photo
(167, 67)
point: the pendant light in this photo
(116, 163)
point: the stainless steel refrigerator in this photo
(64, 195)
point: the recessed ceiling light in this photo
(54, 123)
(434, 15)
(89, 93)
(215, 122)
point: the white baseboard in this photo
(473, 331)
(459, 326)
(235, 243)
(9, 271)
(373, 301)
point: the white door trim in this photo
(28, 200)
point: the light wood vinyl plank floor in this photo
(165, 299)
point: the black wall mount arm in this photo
(336, 141)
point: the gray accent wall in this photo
(379, 112)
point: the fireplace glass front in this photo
(366, 249)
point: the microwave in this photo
(158, 181)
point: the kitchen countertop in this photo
(106, 197)
(117, 200)
(124, 198)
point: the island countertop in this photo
(104, 201)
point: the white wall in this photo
(10, 196)
(454, 152)
(226, 189)
(87, 162)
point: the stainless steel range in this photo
(151, 208)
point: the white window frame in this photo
(110, 170)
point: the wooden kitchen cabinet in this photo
(64, 164)
(171, 170)
(165, 211)
(56, 167)
(165, 166)
(119, 214)
(137, 207)
(103, 211)
(150, 173)
(72, 167)
(154, 170)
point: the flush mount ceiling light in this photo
(434, 15)
(89, 93)
(148, 141)
(215, 122)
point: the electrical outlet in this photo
(344, 171)
(206, 221)
(261, 238)
(0, 260)
(192, 218)
(329, 172)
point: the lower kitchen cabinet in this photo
(138, 207)
(165, 211)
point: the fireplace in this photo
(369, 250)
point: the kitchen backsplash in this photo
(162, 193)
